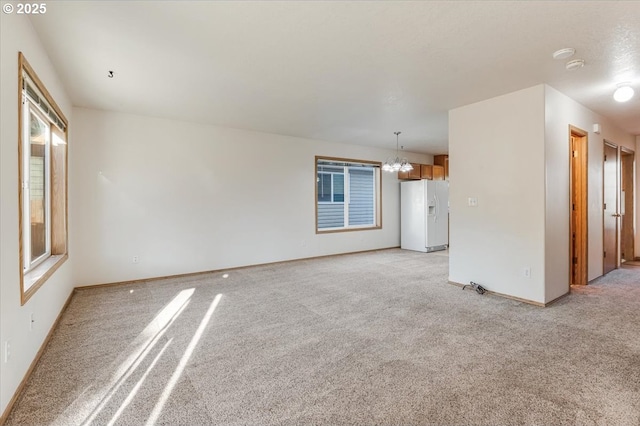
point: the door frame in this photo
(579, 260)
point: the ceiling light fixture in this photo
(398, 164)
(623, 93)
(565, 53)
(575, 64)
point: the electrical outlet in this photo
(136, 259)
(7, 351)
(472, 202)
(526, 272)
(31, 321)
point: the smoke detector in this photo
(565, 53)
(575, 64)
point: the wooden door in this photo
(610, 189)
(627, 205)
(578, 232)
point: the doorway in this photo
(611, 215)
(627, 205)
(578, 231)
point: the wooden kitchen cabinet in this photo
(438, 172)
(426, 171)
(442, 160)
(412, 174)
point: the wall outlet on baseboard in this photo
(7, 351)
(526, 272)
(135, 259)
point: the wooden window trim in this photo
(36, 277)
(378, 188)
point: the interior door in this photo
(627, 204)
(610, 255)
(578, 232)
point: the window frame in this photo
(56, 177)
(348, 163)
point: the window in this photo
(36, 187)
(330, 184)
(43, 191)
(347, 194)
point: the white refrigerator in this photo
(424, 215)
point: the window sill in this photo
(334, 230)
(33, 280)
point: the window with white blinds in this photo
(347, 194)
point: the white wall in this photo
(497, 155)
(18, 35)
(560, 112)
(187, 197)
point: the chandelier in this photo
(398, 164)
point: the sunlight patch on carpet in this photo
(139, 349)
(177, 373)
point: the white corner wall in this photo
(560, 112)
(512, 153)
(187, 197)
(497, 156)
(17, 34)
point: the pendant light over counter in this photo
(398, 164)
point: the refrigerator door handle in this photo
(437, 207)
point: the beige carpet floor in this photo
(373, 338)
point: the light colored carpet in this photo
(373, 338)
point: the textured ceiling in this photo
(350, 72)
